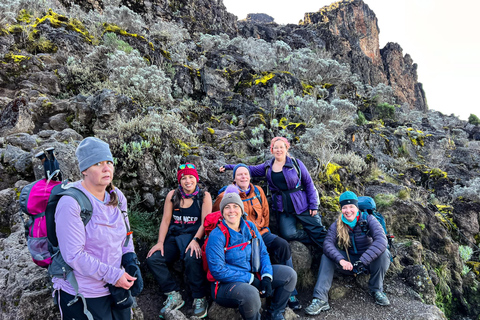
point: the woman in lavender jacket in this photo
(94, 251)
(294, 199)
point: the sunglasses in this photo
(188, 165)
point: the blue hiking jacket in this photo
(234, 264)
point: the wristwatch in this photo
(196, 239)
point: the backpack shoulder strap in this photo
(225, 232)
(257, 194)
(83, 202)
(299, 172)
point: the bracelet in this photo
(196, 239)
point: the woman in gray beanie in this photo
(236, 285)
(100, 252)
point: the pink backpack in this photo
(39, 200)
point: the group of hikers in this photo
(235, 256)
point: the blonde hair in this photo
(342, 234)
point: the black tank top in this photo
(186, 220)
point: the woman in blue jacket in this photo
(236, 285)
(294, 197)
(355, 243)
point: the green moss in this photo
(10, 57)
(307, 89)
(184, 148)
(24, 16)
(15, 28)
(330, 203)
(211, 130)
(331, 177)
(369, 158)
(265, 78)
(107, 27)
(436, 174)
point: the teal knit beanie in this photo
(348, 197)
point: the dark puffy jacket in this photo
(370, 246)
(234, 264)
(302, 200)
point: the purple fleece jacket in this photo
(302, 200)
(93, 251)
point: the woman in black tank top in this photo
(180, 236)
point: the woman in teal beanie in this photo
(355, 243)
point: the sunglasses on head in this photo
(188, 165)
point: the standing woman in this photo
(294, 198)
(96, 251)
(180, 234)
(236, 285)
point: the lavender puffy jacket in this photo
(370, 246)
(302, 200)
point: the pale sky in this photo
(442, 37)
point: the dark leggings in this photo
(101, 308)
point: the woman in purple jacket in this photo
(96, 251)
(355, 243)
(294, 198)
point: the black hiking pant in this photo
(174, 249)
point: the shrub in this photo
(111, 41)
(144, 224)
(384, 200)
(353, 162)
(361, 120)
(473, 119)
(385, 111)
(470, 192)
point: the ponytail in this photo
(113, 195)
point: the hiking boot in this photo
(174, 301)
(316, 307)
(380, 298)
(293, 303)
(200, 306)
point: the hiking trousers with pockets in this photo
(247, 297)
(377, 270)
(101, 308)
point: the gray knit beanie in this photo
(90, 151)
(231, 196)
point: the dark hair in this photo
(113, 195)
(177, 196)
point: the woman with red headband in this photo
(180, 234)
(294, 197)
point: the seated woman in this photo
(352, 245)
(256, 210)
(294, 197)
(236, 285)
(180, 234)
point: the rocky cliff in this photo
(166, 82)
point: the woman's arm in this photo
(266, 265)
(379, 244)
(163, 230)
(71, 241)
(307, 182)
(329, 245)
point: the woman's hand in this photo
(157, 247)
(221, 169)
(193, 246)
(346, 265)
(125, 281)
(313, 213)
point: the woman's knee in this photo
(156, 259)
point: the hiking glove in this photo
(359, 267)
(131, 265)
(266, 286)
(256, 282)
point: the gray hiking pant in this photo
(377, 270)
